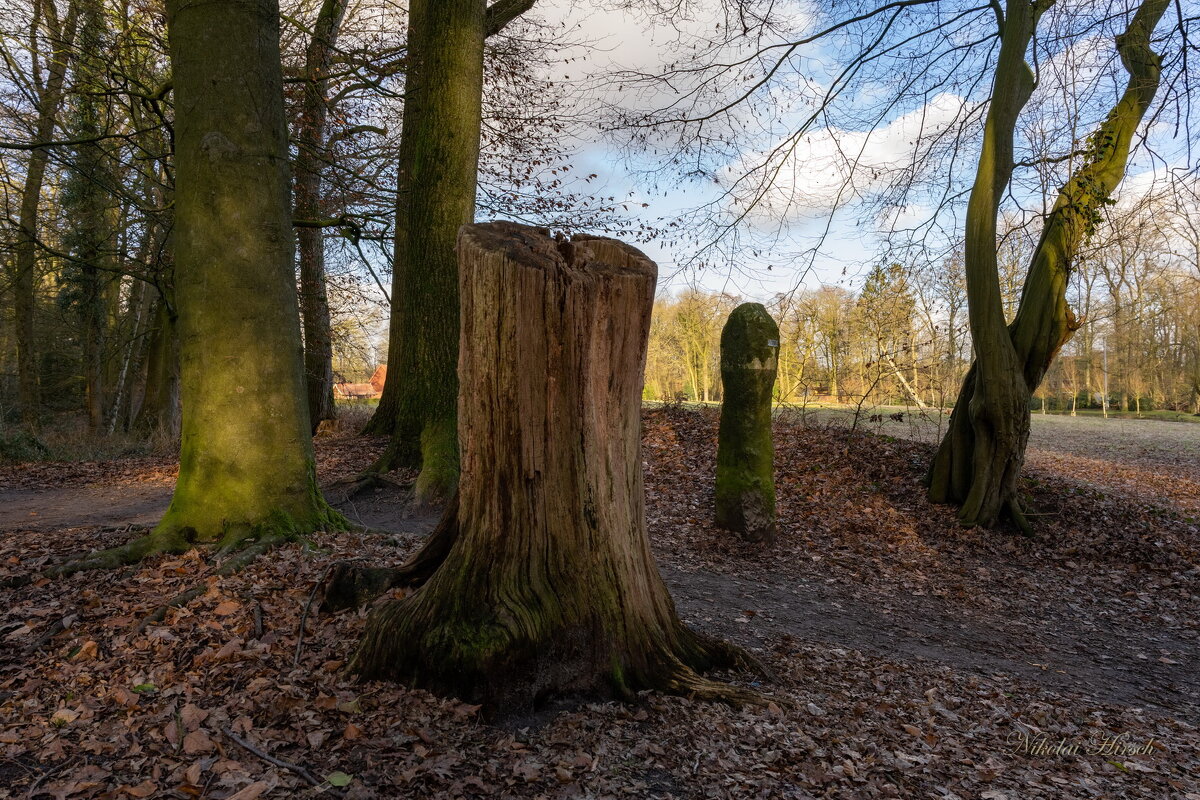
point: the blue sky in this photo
(618, 39)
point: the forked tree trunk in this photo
(550, 586)
(246, 461)
(980, 458)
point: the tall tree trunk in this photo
(979, 460)
(89, 203)
(550, 587)
(61, 37)
(141, 304)
(310, 164)
(246, 461)
(439, 155)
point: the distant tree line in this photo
(902, 337)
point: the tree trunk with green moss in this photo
(439, 159)
(246, 463)
(980, 458)
(549, 586)
(435, 195)
(745, 490)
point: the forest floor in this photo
(912, 658)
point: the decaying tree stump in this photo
(745, 492)
(550, 587)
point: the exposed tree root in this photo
(160, 613)
(128, 553)
(1017, 514)
(349, 585)
(345, 489)
(724, 655)
(686, 682)
(240, 559)
(249, 551)
(681, 671)
(242, 550)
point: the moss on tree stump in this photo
(745, 495)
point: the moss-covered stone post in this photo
(745, 453)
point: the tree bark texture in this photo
(438, 165)
(979, 460)
(246, 461)
(550, 586)
(745, 486)
(311, 137)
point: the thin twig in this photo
(55, 629)
(47, 774)
(304, 616)
(270, 759)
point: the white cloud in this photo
(830, 167)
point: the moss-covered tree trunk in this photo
(310, 161)
(980, 458)
(436, 183)
(246, 463)
(745, 489)
(549, 586)
(439, 158)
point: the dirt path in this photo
(1069, 655)
(100, 506)
(82, 507)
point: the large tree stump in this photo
(550, 587)
(745, 492)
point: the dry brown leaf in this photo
(196, 742)
(88, 651)
(144, 789)
(226, 608)
(192, 715)
(251, 792)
